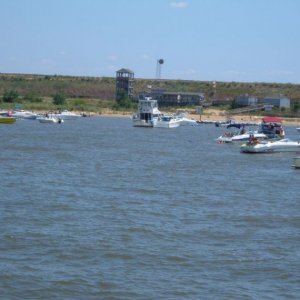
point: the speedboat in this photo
(168, 122)
(184, 120)
(23, 114)
(245, 136)
(64, 115)
(48, 119)
(239, 136)
(284, 145)
(230, 137)
(147, 114)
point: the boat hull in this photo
(163, 124)
(270, 147)
(7, 120)
(143, 123)
(239, 138)
(50, 120)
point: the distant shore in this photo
(210, 115)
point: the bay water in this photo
(98, 209)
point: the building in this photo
(278, 101)
(245, 100)
(165, 98)
(124, 83)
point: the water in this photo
(98, 209)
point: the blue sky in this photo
(222, 40)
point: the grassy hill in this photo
(96, 93)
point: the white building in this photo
(278, 101)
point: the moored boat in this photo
(49, 120)
(7, 120)
(284, 145)
(272, 127)
(23, 114)
(239, 136)
(167, 122)
(147, 114)
(64, 115)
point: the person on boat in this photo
(252, 139)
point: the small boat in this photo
(272, 127)
(184, 120)
(284, 145)
(23, 114)
(7, 120)
(64, 115)
(239, 136)
(49, 120)
(298, 129)
(147, 114)
(296, 164)
(245, 136)
(168, 122)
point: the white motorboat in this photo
(186, 121)
(284, 145)
(245, 136)
(147, 114)
(298, 129)
(23, 114)
(64, 115)
(168, 122)
(228, 137)
(239, 136)
(49, 120)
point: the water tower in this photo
(158, 68)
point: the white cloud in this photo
(182, 4)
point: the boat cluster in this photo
(10, 117)
(269, 137)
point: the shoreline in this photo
(211, 116)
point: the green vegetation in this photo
(95, 94)
(10, 96)
(59, 99)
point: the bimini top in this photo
(271, 120)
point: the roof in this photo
(272, 120)
(123, 70)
